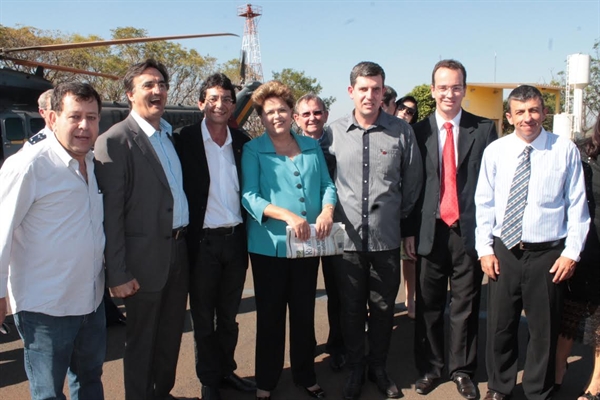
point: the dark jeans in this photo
(57, 347)
(335, 340)
(216, 285)
(153, 332)
(279, 284)
(523, 284)
(371, 278)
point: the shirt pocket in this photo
(388, 163)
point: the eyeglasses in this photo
(214, 99)
(445, 89)
(408, 110)
(316, 113)
(150, 85)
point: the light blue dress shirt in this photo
(301, 185)
(556, 200)
(164, 149)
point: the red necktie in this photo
(449, 197)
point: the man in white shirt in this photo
(532, 221)
(211, 155)
(44, 108)
(52, 243)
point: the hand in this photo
(324, 223)
(299, 225)
(562, 269)
(125, 290)
(3, 309)
(409, 247)
(491, 266)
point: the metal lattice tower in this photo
(250, 42)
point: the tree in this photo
(301, 84)
(425, 103)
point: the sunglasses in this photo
(316, 113)
(409, 110)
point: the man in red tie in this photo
(441, 230)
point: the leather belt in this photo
(455, 225)
(179, 233)
(541, 246)
(229, 230)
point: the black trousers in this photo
(373, 279)
(153, 332)
(335, 341)
(216, 285)
(447, 262)
(281, 283)
(523, 284)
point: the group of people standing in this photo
(159, 215)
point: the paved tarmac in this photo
(14, 385)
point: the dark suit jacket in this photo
(138, 207)
(196, 177)
(475, 134)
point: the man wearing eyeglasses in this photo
(311, 116)
(441, 230)
(211, 155)
(145, 220)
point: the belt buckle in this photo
(521, 245)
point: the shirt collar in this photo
(149, 129)
(441, 121)
(383, 119)
(60, 151)
(538, 144)
(206, 134)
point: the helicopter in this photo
(19, 92)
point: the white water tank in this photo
(579, 70)
(561, 125)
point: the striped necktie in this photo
(517, 200)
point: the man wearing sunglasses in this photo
(441, 230)
(311, 115)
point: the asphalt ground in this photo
(14, 384)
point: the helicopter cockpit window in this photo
(14, 129)
(36, 125)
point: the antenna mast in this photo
(250, 42)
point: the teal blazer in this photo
(301, 185)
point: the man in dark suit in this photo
(211, 155)
(441, 230)
(145, 220)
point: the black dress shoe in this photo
(263, 398)
(238, 383)
(354, 383)
(425, 385)
(465, 386)
(210, 393)
(337, 361)
(318, 393)
(493, 395)
(384, 383)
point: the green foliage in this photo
(301, 84)
(591, 94)
(426, 103)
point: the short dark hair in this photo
(592, 145)
(524, 93)
(366, 68)
(388, 94)
(81, 91)
(310, 97)
(450, 64)
(219, 79)
(138, 69)
(401, 101)
(269, 90)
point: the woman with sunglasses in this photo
(406, 109)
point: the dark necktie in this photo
(517, 200)
(449, 196)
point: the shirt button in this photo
(366, 165)
(301, 199)
(365, 181)
(299, 186)
(303, 213)
(365, 199)
(296, 173)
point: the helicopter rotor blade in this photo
(69, 46)
(28, 63)
(243, 68)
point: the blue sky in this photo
(325, 39)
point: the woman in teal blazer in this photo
(285, 182)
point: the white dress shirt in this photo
(556, 200)
(51, 235)
(165, 151)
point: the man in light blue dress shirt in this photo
(528, 276)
